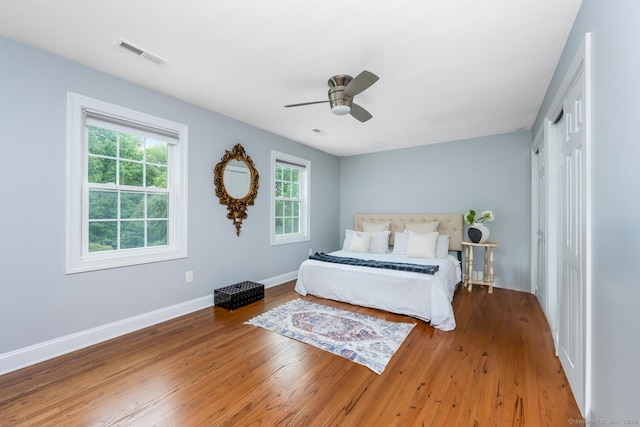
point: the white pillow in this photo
(442, 246)
(422, 227)
(348, 236)
(379, 242)
(375, 226)
(360, 242)
(400, 242)
(422, 245)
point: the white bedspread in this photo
(424, 296)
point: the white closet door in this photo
(572, 283)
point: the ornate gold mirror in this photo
(236, 180)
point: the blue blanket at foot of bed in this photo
(401, 266)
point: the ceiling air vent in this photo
(140, 52)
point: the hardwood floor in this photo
(497, 368)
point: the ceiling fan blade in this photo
(360, 82)
(305, 103)
(360, 113)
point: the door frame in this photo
(537, 196)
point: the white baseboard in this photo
(23, 357)
(278, 280)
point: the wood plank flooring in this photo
(497, 368)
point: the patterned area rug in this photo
(363, 339)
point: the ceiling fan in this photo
(342, 89)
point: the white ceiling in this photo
(449, 69)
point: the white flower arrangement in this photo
(470, 217)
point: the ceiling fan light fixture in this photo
(341, 110)
(342, 89)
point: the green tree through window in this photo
(287, 200)
(128, 194)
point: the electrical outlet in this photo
(189, 276)
(310, 251)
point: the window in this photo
(126, 187)
(290, 198)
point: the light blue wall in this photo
(488, 173)
(38, 302)
(615, 148)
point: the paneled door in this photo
(572, 274)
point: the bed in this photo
(424, 296)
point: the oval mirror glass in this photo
(237, 179)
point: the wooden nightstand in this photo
(487, 278)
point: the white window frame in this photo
(305, 206)
(78, 258)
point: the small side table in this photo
(487, 278)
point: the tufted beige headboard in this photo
(450, 224)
